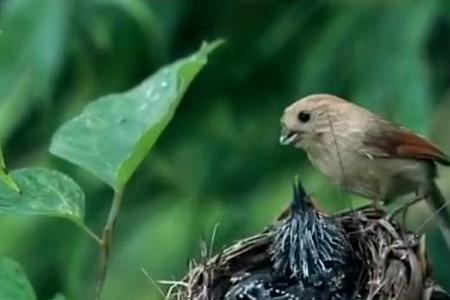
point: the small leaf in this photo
(44, 192)
(113, 134)
(14, 284)
(4, 176)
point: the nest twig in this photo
(391, 264)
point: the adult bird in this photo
(365, 153)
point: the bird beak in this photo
(288, 137)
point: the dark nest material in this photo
(307, 254)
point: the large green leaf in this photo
(113, 134)
(14, 284)
(43, 192)
(32, 42)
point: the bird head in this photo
(306, 121)
(308, 244)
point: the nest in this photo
(285, 262)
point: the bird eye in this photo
(304, 116)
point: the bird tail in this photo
(438, 204)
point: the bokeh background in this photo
(219, 161)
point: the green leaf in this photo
(113, 134)
(14, 284)
(32, 43)
(43, 192)
(4, 175)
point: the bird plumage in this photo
(310, 259)
(363, 152)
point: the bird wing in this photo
(401, 143)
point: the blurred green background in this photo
(219, 161)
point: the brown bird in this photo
(365, 153)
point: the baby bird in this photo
(310, 259)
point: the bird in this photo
(309, 245)
(365, 153)
(310, 258)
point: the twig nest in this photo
(307, 254)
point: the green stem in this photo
(90, 233)
(106, 241)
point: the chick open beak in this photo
(288, 137)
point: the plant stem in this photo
(106, 242)
(90, 233)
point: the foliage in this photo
(43, 192)
(110, 138)
(113, 134)
(13, 283)
(218, 160)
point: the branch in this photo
(106, 241)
